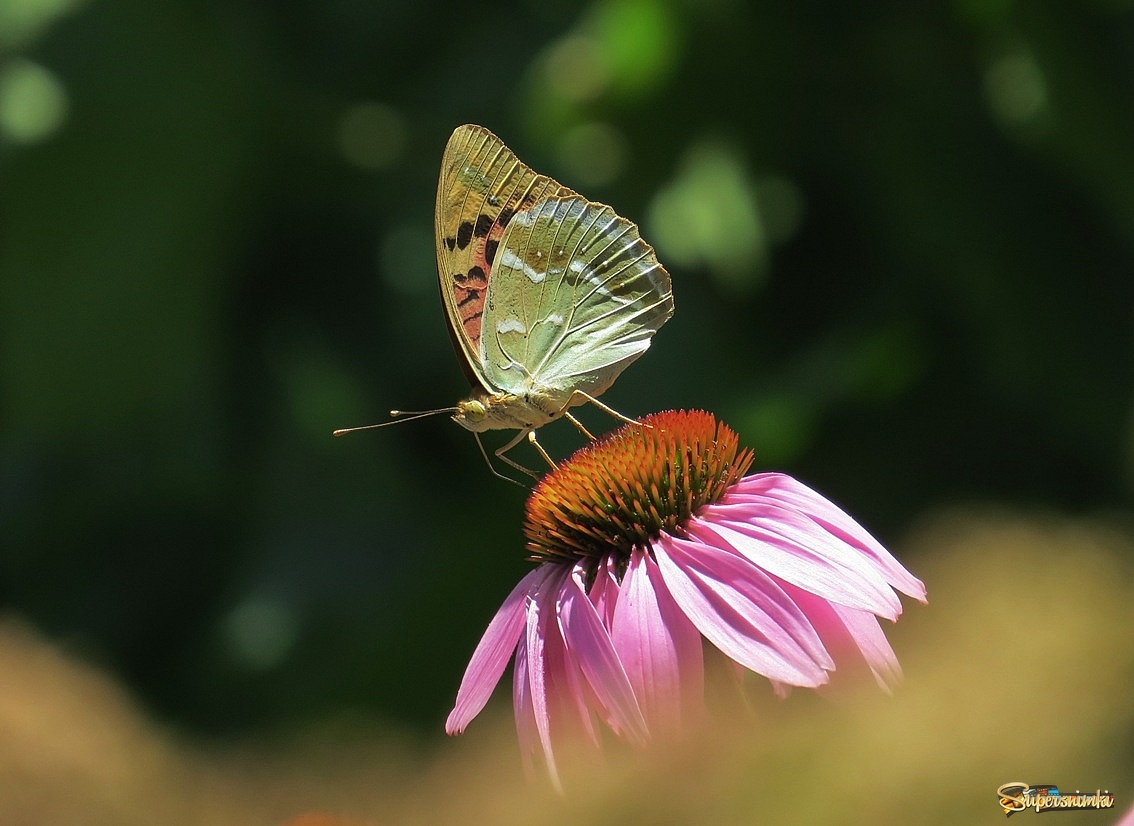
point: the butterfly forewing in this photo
(576, 297)
(481, 187)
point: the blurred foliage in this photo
(901, 238)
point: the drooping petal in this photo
(864, 628)
(659, 647)
(796, 549)
(604, 591)
(794, 493)
(781, 690)
(742, 611)
(493, 651)
(854, 637)
(589, 644)
(571, 702)
(553, 700)
(540, 608)
(526, 731)
(577, 701)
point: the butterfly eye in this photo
(473, 410)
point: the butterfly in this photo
(548, 296)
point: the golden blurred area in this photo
(1018, 669)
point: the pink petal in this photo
(781, 487)
(659, 646)
(853, 636)
(796, 549)
(781, 690)
(1127, 819)
(539, 611)
(604, 591)
(576, 699)
(553, 700)
(569, 698)
(492, 652)
(868, 635)
(589, 644)
(526, 731)
(742, 611)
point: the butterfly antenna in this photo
(399, 416)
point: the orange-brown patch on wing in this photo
(470, 289)
(481, 187)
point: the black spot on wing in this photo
(490, 251)
(450, 242)
(470, 288)
(483, 225)
(505, 216)
(464, 234)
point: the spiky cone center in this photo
(625, 488)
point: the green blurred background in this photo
(901, 238)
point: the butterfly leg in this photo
(530, 434)
(579, 425)
(610, 411)
(495, 472)
(539, 447)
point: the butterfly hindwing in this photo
(576, 296)
(482, 186)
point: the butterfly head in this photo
(472, 414)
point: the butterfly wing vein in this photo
(578, 295)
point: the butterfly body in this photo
(508, 411)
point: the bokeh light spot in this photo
(1014, 89)
(619, 50)
(316, 384)
(33, 103)
(574, 68)
(593, 154)
(710, 216)
(372, 135)
(638, 40)
(780, 206)
(781, 422)
(22, 21)
(260, 632)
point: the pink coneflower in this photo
(650, 541)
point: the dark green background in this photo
(901, 237)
